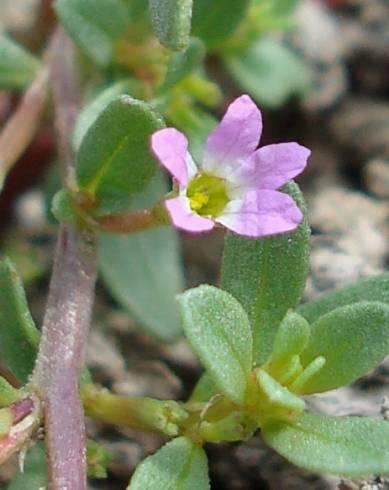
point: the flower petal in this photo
(261, 213)
(274, 165)
(235, 138)
(183, 217)
(171, 148)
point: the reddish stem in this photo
(60, 358)
(69, 306)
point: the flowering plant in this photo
(263, 352)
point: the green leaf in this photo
(349, 446)
(171, 21)
(291, 338)
(179, 465)
(267, 276)
(214, 21)
(282, 7)
(17, 67)
(34, 473)
(91, 112)
(19, 337)
(372, 289)
(95, 25)
(204, 390)
(353, 339)
(277, 401)
(8, 394)
(114, 159)
(98, 458)
(269, 71)
(219, 331)
(182, 64)
(143, 271)
(195, 123)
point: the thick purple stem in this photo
(60, 359)
(67, 317)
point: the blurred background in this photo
(319, 71)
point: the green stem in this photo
(138, 413)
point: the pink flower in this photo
(236, 183)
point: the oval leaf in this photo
(291, 338)
(91, 112)
(219, 331)
(269, 71)
(143, 271)
(34, 472)
(17, 66)
(179, 465)
(19, 338)
(372, 289)
(95, 25)
(171, 20)
(214, 21)
(114, 160)
(353, 339)
(267, 276)
(182, 64)
(349, 446)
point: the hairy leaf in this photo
(19, 337)
(143, 270)
(353, 339)
(114, 159)
(349, 446)
(219, 331)
(171, 20)
(267, 276)
(179, 465)
(372, 289)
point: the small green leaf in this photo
(98, 458)
(171, 20)
(195, 123)
(19, 337)
(115, 160)
(143, 271)
(214, 21)
(34, 472)
(179, 465)
(62, 207)
(269, 71)
(17, 66)
(91, 112)
(219, 331)
(348, 446)
(8, 394)
(267, 276)
(353, 339)
(182, 64)
(372, 289)
(204, 389)
(283, 7)
(292, 337)
(95, 25)
(277, 401)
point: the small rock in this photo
(377, 177)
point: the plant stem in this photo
(20, 129)
(60, 357)
(67, 317)
(130, 222)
